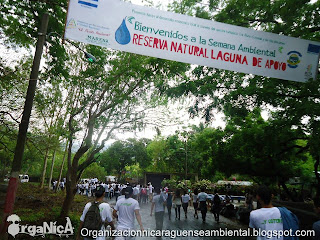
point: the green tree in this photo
(157, 151)
(124, 155)
(116, 158)
(94, 170)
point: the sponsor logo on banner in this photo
(97, 40)
(314, 49)
(71, 24)
(294, 59)
(89, 3)
(47, 228)
(122, 35)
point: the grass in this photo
(35, 206)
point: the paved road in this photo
(186, 224)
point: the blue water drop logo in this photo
(122, 34)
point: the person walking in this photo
(144, 194)
(106, 195)
(185, 202)
(169, 203)
(177, 203)
(150, 187)
(195, 203)
(136, 193)
(86, 186)
(202, 198)
(272, 219)
(215, 208)
(117, 192)
(96, 215)
(111, 190)
(158, 203)
(125, 210)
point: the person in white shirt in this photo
(86, 187)
(177, 203)
(135, 192)
(195, 203)
(185, 202)
(106, 195)
(158, 204)
(105, 213)
(61, 185)
(111, 192)
(125, 210)
(202, 199)
(268, 217)
(54, 185)
(150, 187)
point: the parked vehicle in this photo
(24, 178)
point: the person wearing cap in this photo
(105, 212)
(125, 210)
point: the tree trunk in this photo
(62, 164)
(44, 168)
(51, 171)
(70, 192)
(287, 191)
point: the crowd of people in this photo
(128, 199)
(141, 193)
(58, 185)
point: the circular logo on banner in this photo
(294, 59)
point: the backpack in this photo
(144, 191)
(92, 220)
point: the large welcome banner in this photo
(143, 30)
